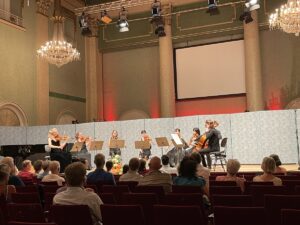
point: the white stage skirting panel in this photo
(251, 136)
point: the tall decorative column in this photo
(42, 67)
(91, 72)
(167, 89)
(253, 65)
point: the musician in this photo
(177, 154)
(114, 151)
(145, 153)
(79, 137)
(56, 142)
(212, 137)
(194, 142)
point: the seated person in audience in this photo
(85, 162)
(268, 166)
(233, 167)
(201, 170)
(155, 177)
(75, 194)
(5, 189)
(132, 174)
(188, 175)
(278, 163)
(100, 175)
(125, 168)
(142, 167)
(46, 170)
(109, 165)
(26, 173)
(54, 167)
(37, 166)
(13, 179)
(166, 166)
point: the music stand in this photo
(117, 144)
(162, 142)
(96, 145)
(176, 141)
(77, 147)
(142, 145)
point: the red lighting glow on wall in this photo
(274, 102)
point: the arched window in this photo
(12, 115)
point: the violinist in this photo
(114, 151)
(212, 138)
(176, 154)
(86, 140)
(57, 143)
(145, 153)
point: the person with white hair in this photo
(13, 179)
(54, 167)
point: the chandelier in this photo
(58, 51)
(287, 17)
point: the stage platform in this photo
(254, 168)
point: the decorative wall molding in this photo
(66, 97)
(42, 6)
(65, 115)
(17, 110)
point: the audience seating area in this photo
(126, 203)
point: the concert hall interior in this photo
(131, 105)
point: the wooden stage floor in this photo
(254, 168)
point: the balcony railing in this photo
(11, 18)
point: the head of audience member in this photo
(196, 131)
(75, 174)
(125, 168)
(26, 166)
(188, 168)
(4, 174)
(134, 164)
(54, 167)
(165, 160)
(233, 167)
(10, 162)
(155, 164)
(196, 157)
(37, 165)
(109, 165)
(276, 159)
(268, 165)
(142, 166)
(45, 166)
(99, 161)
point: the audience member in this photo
(268, 166)
(75, 194)
(201, 170)
(5, 189)
(26, 173)
(132, 174)
(188, 175)
(142, 168)
(125, 168)
(166, 168)
(233, 167)
(85, 162)
(54, 167)
(37, 165)
(99, 175)
(46, 170)
(109, 165)
(155, 177)
(13, 179)
(279, 168)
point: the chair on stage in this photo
(25, 213)
(122, 214)
(290, 217)
(220, 155)
(232, 200)
(71, 215)
(224, 215)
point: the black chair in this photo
(220, 155)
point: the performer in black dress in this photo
(114, 151)
(57, 143)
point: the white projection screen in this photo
(210, 70)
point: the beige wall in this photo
(18, 60)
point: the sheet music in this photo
(176, 139)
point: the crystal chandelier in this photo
(58, 51)
(287, 17)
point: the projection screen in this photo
(210, 70)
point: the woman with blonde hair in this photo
(268, 166)
(5, 189)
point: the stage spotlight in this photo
(246, 16)
(158, 23)
(252, 4)
(213, 8)
(122, 23)
(156, 8)
(83, 23)
(105, 18)
(160, 30)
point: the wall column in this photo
(42, 67)
(253, 65)
(167, 89)
(91, 81)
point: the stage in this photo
(255, 168)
